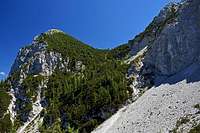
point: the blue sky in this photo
(100, 23)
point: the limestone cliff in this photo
(33, 60)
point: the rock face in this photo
(173, 38)
(145, 46)
(33, 60)
(177, 46)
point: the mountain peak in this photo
(48, 32)
(52, 31)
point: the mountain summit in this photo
(58, 83)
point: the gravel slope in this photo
(159, 108)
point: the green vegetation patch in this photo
(195, 129)
(181, 121)
(197, 106)
(5, 123)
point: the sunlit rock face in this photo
(35, 59)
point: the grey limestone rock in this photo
(36, 59)
(177, 46)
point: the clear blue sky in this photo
(100, 23)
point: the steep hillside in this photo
(59, 84)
